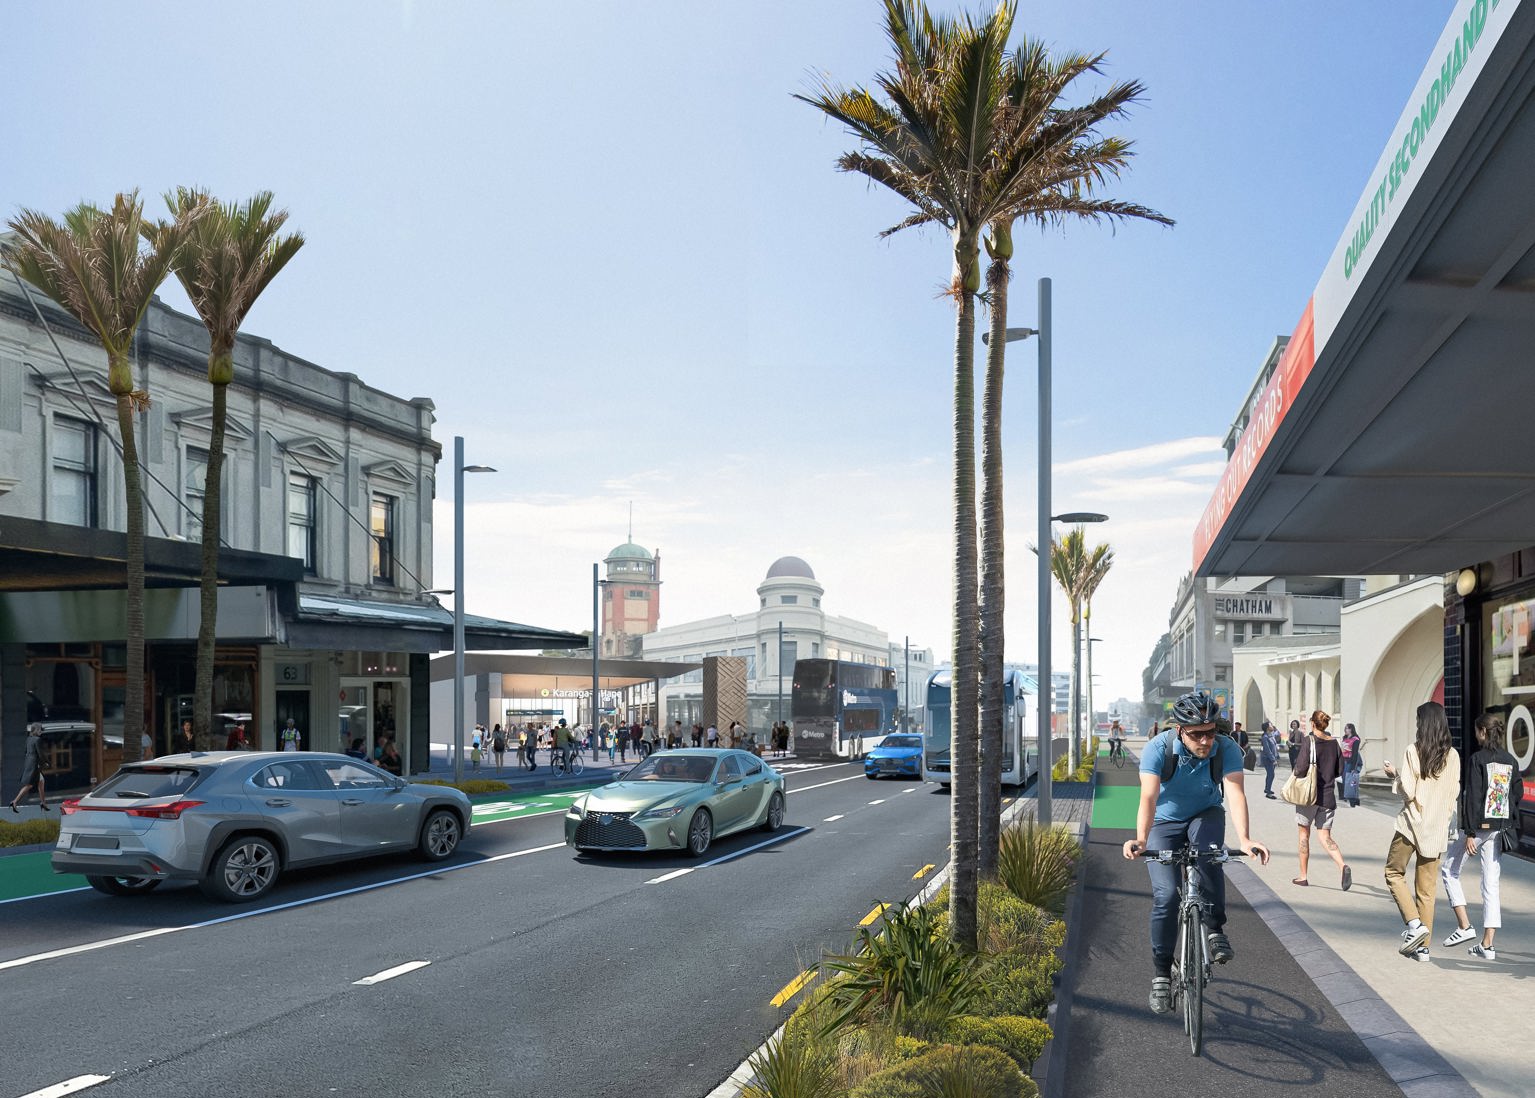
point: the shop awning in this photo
(1395, 436)
(349, 624)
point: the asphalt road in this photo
(1268, 1030)
(545, 974)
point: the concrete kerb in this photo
(1402, 1053)
(743, 1075)
(1050, 1069)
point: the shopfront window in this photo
(1508, 677)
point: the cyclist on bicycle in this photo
(1116, 739)
(1188, 808)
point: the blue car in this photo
(897, 756)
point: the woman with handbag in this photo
(1319, 763)
(1428, 781)
(1493, 791)
(1353, 764)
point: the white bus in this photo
(1020, 743)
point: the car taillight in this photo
(164, 811)
(70, 807)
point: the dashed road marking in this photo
(919, 874)
(867, 920)
(834, 819)
(390, 973)
(793, 987)
(68, 1086)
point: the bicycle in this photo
(557, 764)
(1117, 754)
(1191, 961)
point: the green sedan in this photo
(679, 800)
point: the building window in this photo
(73, 489)
(1222, 673)
(788, 652)
(635, 593)
(192, 489)
(1238, 632)
(382, 525)
(301, 520)
(815, 602)
(788, 600)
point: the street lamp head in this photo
(478, 469)
(1013, 335)
(1079, 517)
(438, 591)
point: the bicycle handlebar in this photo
(1213, 853)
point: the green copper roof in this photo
(629, 549)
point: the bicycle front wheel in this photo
(1193, 981)
(576, 766)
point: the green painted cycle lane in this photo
(1117, 795)
(23, 876)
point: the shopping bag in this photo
(1302, 790)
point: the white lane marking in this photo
(880, 801)
(909, 789)
(68, 1086)
(834, 819)
(390, 973)
(40, 896)
(88, 947)
(673, 875)
(834, 781)
(780, 837)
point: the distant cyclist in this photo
(1188, 808)
(1116, 740)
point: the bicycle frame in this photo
(1191, 963)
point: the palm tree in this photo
(929, 140)
(1078, 570)
(1052, 160)
(231, 254)
(92, 264)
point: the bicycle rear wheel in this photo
(1193, 974)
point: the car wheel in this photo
(440, 835)
(774, 818)
(700, 833)
(244, 870)
(124, 886)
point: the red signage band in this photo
(1268, 413)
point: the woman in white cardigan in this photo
(1428, 781)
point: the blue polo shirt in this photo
(1190, 790)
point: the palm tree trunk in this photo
(207, 626)
(962, 810)
(1075, 751)
(993, 588)
(133, 702)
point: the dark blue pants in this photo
(1204, 829)
(1268, 775)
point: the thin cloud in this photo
(1142, 457)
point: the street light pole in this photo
(779, 661)
(596, 640)
(1046, 746)
(1091, 723)
(459, 469)
(906, 678)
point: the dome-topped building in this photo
(788, 609)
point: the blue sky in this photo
(611, 247)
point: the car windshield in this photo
(148, 781)
(902, 741)
(666, 767)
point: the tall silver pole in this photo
(906, 678)
(596, 640)
(458, 608)
(780, 671)
(1092, 725)
(1046, 763)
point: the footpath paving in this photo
(1318, 994)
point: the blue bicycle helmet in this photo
(1196, 707)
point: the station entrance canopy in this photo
(563, 677)
(1395, 436)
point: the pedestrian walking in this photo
(712, 736)
(32, 769)
(612, 742)
(1488, 826)
(1293, 742)
(288, 739)
(498, 745)
(1268, 754)
(698, 735)
(1428, 782)
(1323, 753)
(1353, 764)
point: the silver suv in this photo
(233, 820)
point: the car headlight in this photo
(663, 812)
(577, 809)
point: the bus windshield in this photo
(815, 688)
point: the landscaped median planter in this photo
(906, 1014)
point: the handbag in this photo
(1299, 790)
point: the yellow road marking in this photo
(919, 874)
(792, 988)
(879, 910)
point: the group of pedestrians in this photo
(1439, 826)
